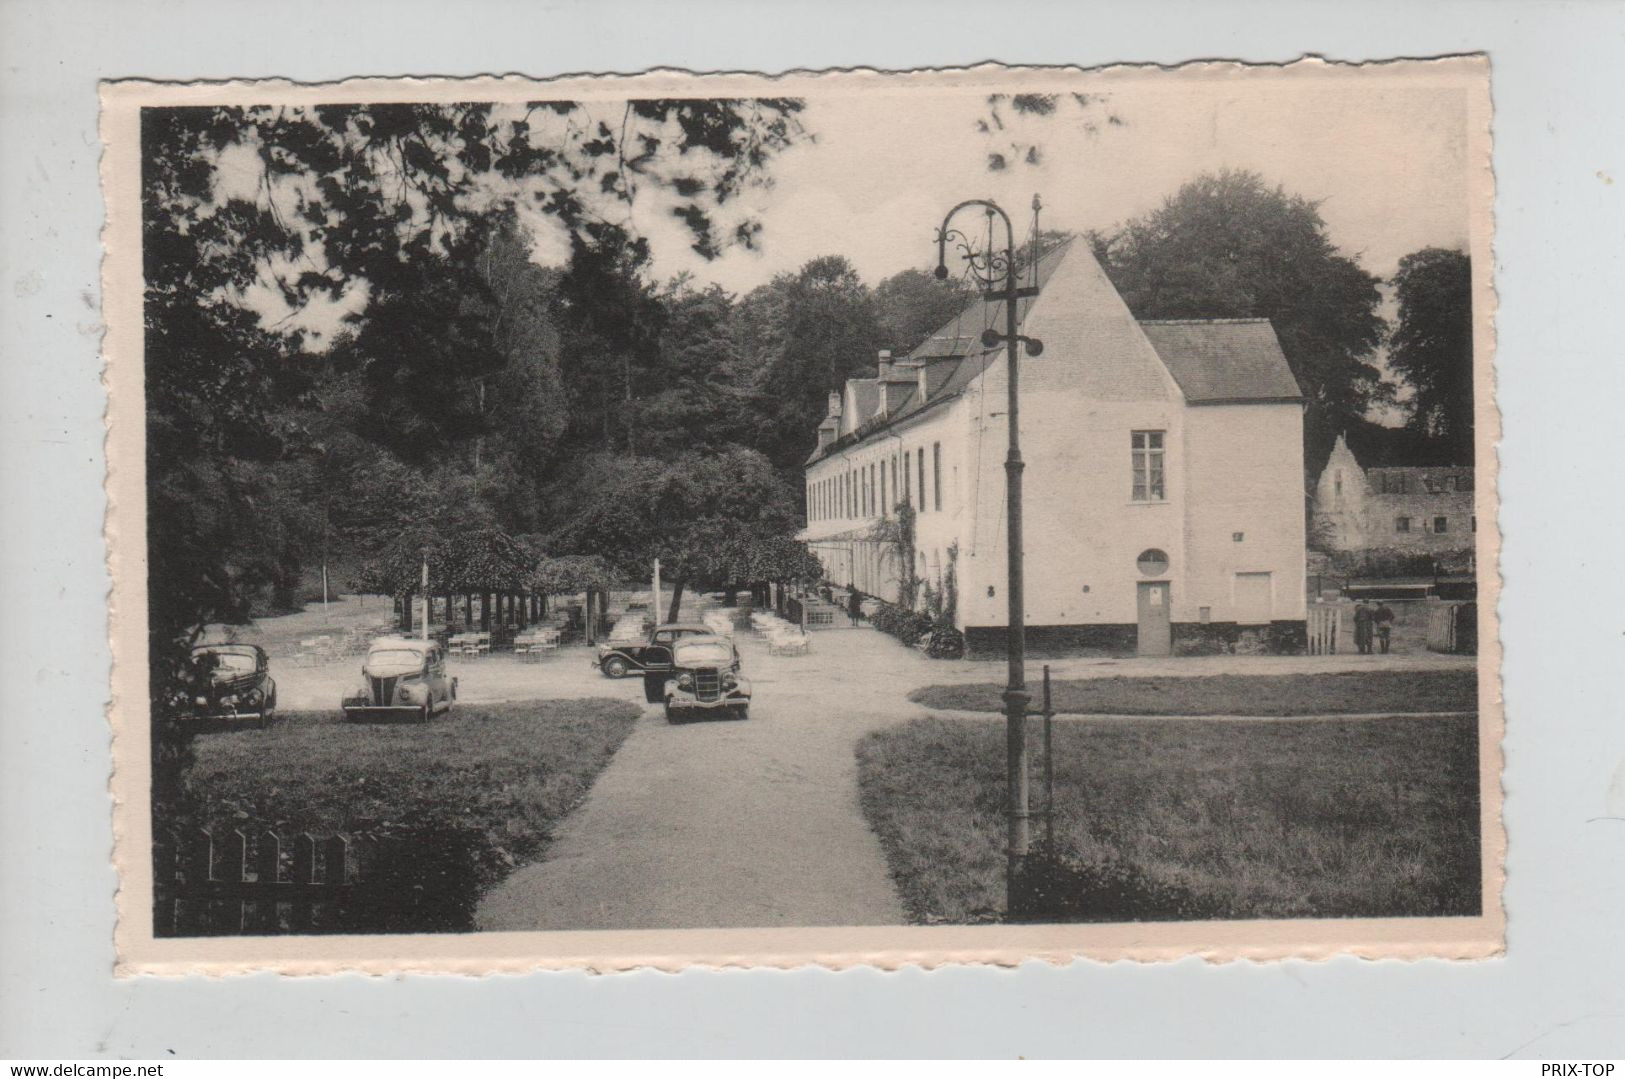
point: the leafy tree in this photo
(1432, 346)
(1013, 124)
(805, 333)
(380, 208)
(1228, 246)
(913, 304)
(690, 511)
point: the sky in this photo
(1387, 164)
(1386, 158)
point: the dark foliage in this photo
(1432, 347)
(1228, 246)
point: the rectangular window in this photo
(936, 476)
(1441, 525)
(908, 481)
(1393, 485)
(1474, 520)
(1148, 458)
(922, 478)
(874, 506)
(883, 506)
(1402, 524)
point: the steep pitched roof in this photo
(865, 398)
(1223, 360)
(953, 356)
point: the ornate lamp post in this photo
(996, 272)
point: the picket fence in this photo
(1325, 629)
(251, 880)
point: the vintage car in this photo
(704, 679)
(231, 683)
(402, 677)
(617, 659)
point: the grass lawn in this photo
(1321, 818)
(1391, 692)
(499, 777)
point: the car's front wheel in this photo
(742, 711)
(616, 667)
(673, 715)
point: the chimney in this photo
(834, 404)
(826, 433)
(885, 367)
(924, 381)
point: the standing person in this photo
(854, 608)
(1362, 627)
(1383, 619)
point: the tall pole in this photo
(423, 628)
(654, 599)
(999, 275)
(1015, 693)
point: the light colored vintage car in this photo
(705, 680)
(404, 677)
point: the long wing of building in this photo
(1164, 500)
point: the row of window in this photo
(1400, 483)
(864, 491)
(1437, 525)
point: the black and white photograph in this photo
(977, 514)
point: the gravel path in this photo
(718, 824)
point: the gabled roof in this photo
(1226, 360)
(953, 357)
(865, 396)
(898, 394)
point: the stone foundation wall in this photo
(1122, 639)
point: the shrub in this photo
(1059, 885)
(906, 625)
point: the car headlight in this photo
(230, 698)
(730, 680)
(409, 694)
(685, 680)
(203, 702)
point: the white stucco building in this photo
(1164, 502)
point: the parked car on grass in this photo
(704, 680)
(617, 659)
(231, 683)
(402, 677)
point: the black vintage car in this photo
(617, 659)
(231, 683)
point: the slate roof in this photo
(953, 356)
(866, 394)
(1226, 360)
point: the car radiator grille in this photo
(383, 690)
(707, 685)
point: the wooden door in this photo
(1156, 634)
